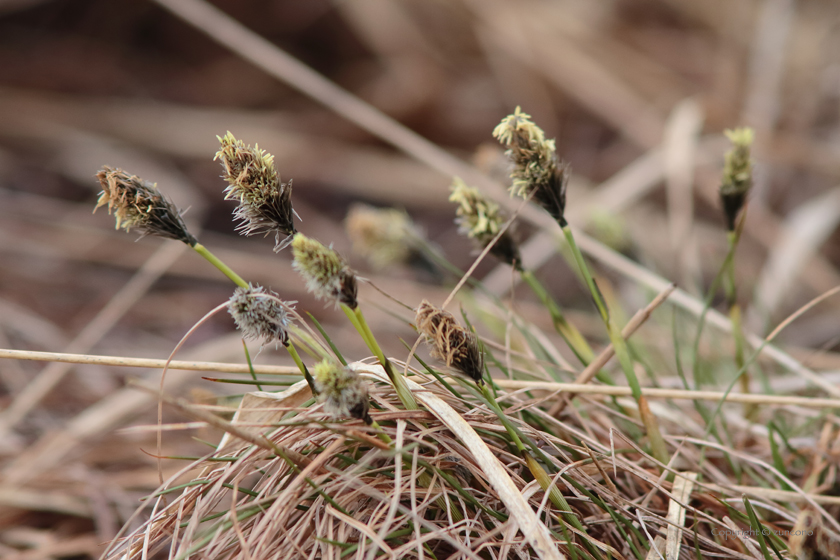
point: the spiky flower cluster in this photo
(260, 315)
(265, 204)
(381, 235)
(138, 204)
(326, 274)
(737, 173)
(342, 390)
(537, 169)
(449, 341)
(481, 219)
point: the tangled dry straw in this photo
(323, 489)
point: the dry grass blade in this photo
(676, 514)
(532, 528)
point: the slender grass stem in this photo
(657, 443)
(215, 261)
(251, 365)
(536, 469)
(301, 366)
(358, 321)
(731, 288)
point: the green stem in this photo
(302, 367)
(358, 320)
(568, 331)
(251, 365)
(657, 443)
(380, 433)
(735, 316)
(214, 260)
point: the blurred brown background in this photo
(636, 93)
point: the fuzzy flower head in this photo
(138, 204)
(737, 173)
(260, 315)
(481, 219)
(342, 390)
(383, 236)
(265, 204)
(326, 274)
(537, 169)
(449, 341)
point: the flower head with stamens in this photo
(326, 274)
(482, 219)
(737, 173)
(449, 341)
(537, 169)
(342, 390)
(260, 315)
(265, 204)
(381, 235)
(138, 204)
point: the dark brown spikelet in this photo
(450, 342)
(265, 203)
(138, 204)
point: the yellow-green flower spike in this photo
(325, 273)
(343, 392)
(265, 204)
(537, 169)
(737, 173)
(482, 219)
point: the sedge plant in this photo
(735, 186)
(538, 173)
(480, 219)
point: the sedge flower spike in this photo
(481, 219)
(449, 341)
(537, 169)
(138, 204)
(265, 203)
(381, 235)
(260, 315)
(342, 390)
(737, 174)
(325, 272)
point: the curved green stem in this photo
(657, 443)
(214, 260)
(302, 367)
(358, 320)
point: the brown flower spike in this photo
(138, 204)
(265, 203)
(450, 342)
